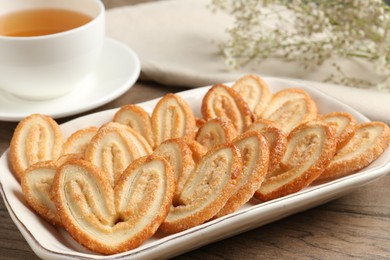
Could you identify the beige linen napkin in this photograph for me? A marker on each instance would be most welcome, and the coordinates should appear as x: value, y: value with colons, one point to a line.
x: 177, y: 42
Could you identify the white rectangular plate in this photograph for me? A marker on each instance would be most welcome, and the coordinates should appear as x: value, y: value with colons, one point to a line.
x: 49, y: 242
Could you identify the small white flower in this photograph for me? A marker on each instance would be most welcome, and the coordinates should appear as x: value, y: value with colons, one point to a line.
x: 319, y: 30
x: 380, y: 31
x: 380, y: 65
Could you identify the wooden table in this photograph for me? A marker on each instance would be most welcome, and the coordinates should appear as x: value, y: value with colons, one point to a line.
x: 354, y: 226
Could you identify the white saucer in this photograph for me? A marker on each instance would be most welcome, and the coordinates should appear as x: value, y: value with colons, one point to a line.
x: 116, y: 72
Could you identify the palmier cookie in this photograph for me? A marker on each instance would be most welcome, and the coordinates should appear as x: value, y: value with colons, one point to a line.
x: 36, y: 185
x: 262, y: 123
x: 223, y: 101
x: 172, y: 117
x: 276, y: 138
x: 199, y: 123
x: 254, y: 91
x: 310, y: 148
x: 113, y: 148
x: 216, y: 131
x: 369, y: 141
x: 107, y: 220
x: 208, y: 188
x: 143, y: 146
x: 343, y: 124
x: 77, y: 143
x: 36, y: 138
x: 179, y: 156
x: 289, y: 108
x: 198, y: 150
x: 138, y: 119
x: 254, y: 151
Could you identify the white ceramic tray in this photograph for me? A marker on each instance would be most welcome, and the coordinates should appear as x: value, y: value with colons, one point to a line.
x: 54, y: 243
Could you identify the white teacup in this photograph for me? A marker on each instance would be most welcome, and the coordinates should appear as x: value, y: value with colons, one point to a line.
x: 49, y: 66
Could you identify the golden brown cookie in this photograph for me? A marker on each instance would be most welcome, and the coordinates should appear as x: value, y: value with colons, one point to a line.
x: 36, y: 138
x: 369, y: 141
x: 138, y: 119
x: 110, y: 220
x: 199, y: 122
x: 289, y: 108
x: 179, y: 156
x: 262, y: 123
x: 198, y: 150
x: 77, y: 143
x: 310, y: 148
x: 254, y: 152
x: 36, y: 185
x: 223, y: 101
x: 276, y: 138
x: 113, y: 148
x: 343, y: 124
x: 216, y: 131
x: 254, y: 91
x: 172, y: 117
x: 138, y: 140
x: 208, y: 188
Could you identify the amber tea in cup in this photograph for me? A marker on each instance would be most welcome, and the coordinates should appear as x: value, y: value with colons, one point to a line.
x: 36, y: 22
x: 49, y: 48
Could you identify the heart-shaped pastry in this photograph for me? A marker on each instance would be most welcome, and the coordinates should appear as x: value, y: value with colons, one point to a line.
x: 276, y: 138
x: 138, y: 119
x: 139, y: 141
x: 368, y: 142
x: 254, y: 91
x: 199, y: 122
x: 216, y: 131
x: 262, y: 123
x: 310, y: 148
x: 179, y: 156
x: 198, y: 150
x: 114, y: 147
x: 36, y: 186
x: 36, y: 138
x: 223, y: 101
x: 255, y: 155
x: 111, y: 220
x: 36, y: 183
x: 289, y: 108
x: 78, y: 142
x: 208, y: 188
x: 343, y: 124
x: 172, y: 117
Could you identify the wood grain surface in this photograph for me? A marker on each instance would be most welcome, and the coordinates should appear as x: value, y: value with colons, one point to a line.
x: 354, y: 226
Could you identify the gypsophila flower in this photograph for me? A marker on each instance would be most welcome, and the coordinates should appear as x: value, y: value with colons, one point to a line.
x: 311, y: 32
